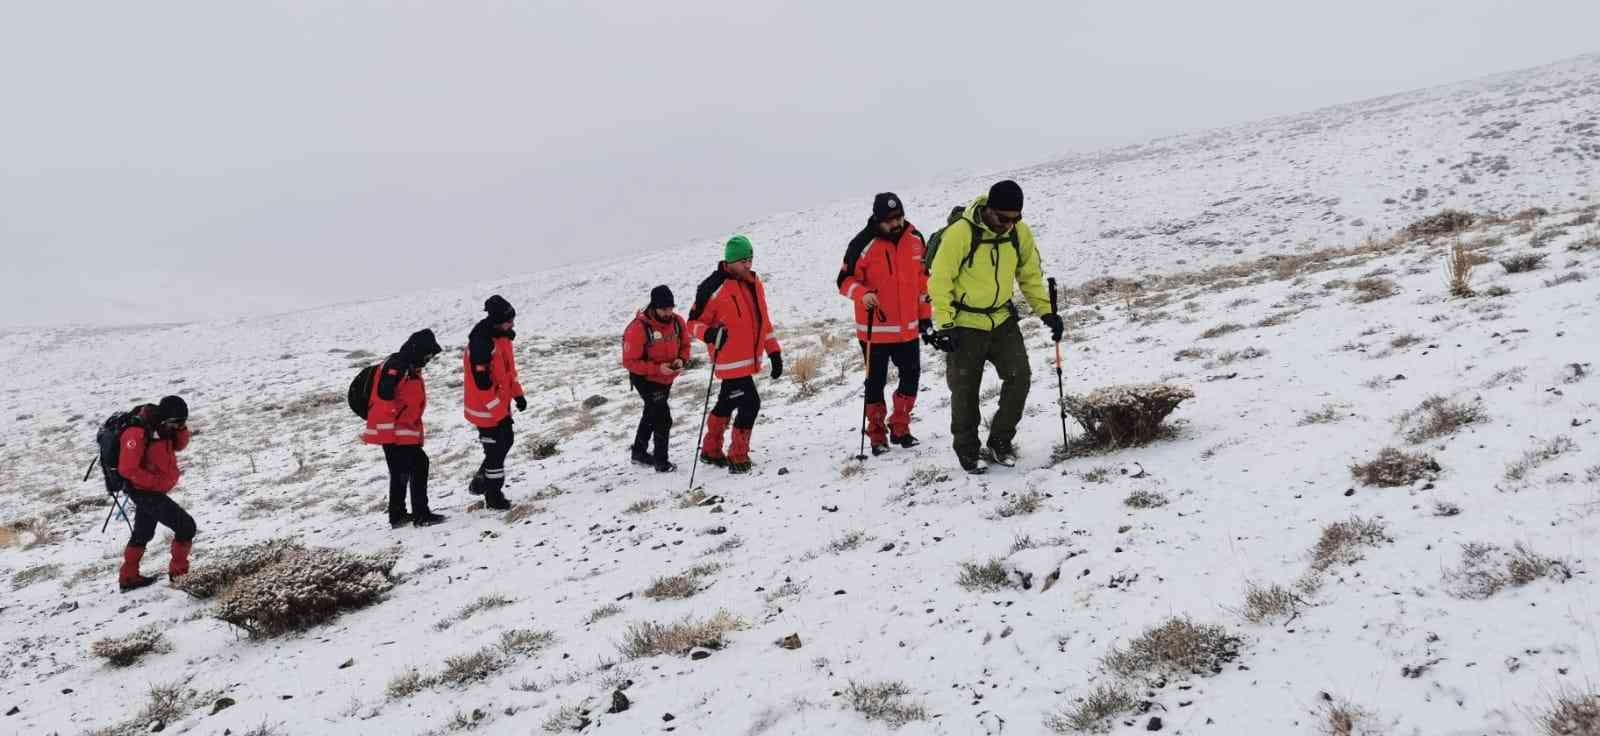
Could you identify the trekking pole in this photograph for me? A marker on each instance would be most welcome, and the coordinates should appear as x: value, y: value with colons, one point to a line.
x: 711, y: 358
x: 872, y: 320
x: 90, y: 471
x: 1061, y: 394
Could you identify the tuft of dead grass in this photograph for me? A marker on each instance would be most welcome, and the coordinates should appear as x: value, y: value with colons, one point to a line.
x: 888, y: 702
x: 1458, y: 265
x: 1487, y: 569
x: 1342, y: 718
x: 1126, y: 415
x: 1438, y: 416
x: 1266, y: 602
x: 1093, y: 713
x: 1178, y: 647
x: 1523, y: 263
x: 603, y: 612
x: 987, y: 576
x: 1328, y: 414
x: 649, y: 639
x: 684, y: 585
x: 484, y: 603
x: 1145, y: 499
x: 1543, y: 453
x: 126, y: 650
x: 1571, y: 713
x: 1341, y: 542
x: 1220, y: 330
x: 1372, y: 289
x: 1441, y: 223
x: 1020, y: 504
x: 1394, y: 468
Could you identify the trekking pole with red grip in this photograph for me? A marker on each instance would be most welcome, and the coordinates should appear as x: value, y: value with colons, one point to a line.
x: 872, y: 321
x: 1061, y: 394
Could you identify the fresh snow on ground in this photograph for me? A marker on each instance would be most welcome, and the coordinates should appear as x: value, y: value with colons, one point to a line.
x: 862, y: 560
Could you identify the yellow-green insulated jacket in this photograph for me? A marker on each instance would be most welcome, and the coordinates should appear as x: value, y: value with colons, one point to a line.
x: 987, y: 283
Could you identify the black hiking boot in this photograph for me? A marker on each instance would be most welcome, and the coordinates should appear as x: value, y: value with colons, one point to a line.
x: 427, y: 518
x: 879, y: 449
x: 137, y: 583
x: 399, y: 520
x: 474, y: 488
x: 905, y: 440
x: 740, y: 467
x: 1000, y: 455
x: 665, y: 466
x: 721, y: 462
x: 640, y: 457
x: 977, y: 466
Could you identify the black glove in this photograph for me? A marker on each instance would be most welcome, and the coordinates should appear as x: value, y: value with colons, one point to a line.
x: 522, y: 403
x: 945, y: 340
x: 1053, y: 321
x: 925, y: 327
x: 716, y: 336
x: 777, y: 364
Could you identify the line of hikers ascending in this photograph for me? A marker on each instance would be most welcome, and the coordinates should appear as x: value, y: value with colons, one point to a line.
x: 953, y: 293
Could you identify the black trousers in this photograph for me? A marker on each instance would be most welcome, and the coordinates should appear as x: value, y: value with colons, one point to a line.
x: 491, y: 476
x: 154, y: 508
x: 907, y: 359
x: 408, y: 468
x: 738, y: 395
x: 656, y: 420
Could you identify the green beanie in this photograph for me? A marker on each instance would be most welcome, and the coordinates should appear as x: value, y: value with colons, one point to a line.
x: 737, y: 249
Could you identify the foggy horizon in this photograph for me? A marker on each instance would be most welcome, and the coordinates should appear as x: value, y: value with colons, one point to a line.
x: 176, y: 164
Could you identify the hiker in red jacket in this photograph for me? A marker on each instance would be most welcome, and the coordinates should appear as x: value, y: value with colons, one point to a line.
x: 655, y: 349
x: 491, y: 386
x: 883, y: 274
x: 148, y: 463
x: 394, y: 422
x: 730, y: 315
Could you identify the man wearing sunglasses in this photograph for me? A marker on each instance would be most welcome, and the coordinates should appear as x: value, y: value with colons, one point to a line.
x: 148, y: 465
x: 980, y: 259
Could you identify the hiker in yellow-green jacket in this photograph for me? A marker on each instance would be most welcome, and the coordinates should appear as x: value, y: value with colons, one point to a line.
x: 981, y: 259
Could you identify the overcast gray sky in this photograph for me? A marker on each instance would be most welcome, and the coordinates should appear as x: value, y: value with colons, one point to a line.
x: 175, y: 160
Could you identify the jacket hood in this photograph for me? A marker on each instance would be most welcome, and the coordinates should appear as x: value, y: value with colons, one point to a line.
x: 421, y: 344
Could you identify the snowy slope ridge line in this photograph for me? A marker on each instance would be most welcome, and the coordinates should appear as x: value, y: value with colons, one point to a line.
x: 1455, y: 603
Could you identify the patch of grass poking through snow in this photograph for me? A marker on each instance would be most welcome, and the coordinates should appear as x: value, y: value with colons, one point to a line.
x: 678, y: 587
x: 1524, y: 262
x: 1571, y: 713
x: 1373, y: 289
x: 1341, y: 542
x: 1123, y: 416
x: 1021, y: 504
x: 1220, y: 330
x: 1328, y: 414
x: 524, y: 642
x: 484, y: 603
x: 1394, y: 468
x: 692, y: 499
x: 1343, y: 718
x: 521, y: 512
x: 1487, y: 569
x: 1266, y: 602
x: 649, y: 639
x: 1093, y: 713
x: 1144, y: 499
x: 1178, y: 647
x: 888, y: 702
x: 926, y: 476
x: 37, y: 573
x: 988, y: 576
x: 466, y: 669
x: 1544, y: 453
x: 126, y: 650
x: 603, y: 612
x: 1438, y: 416
x: 164, y: 704
x: 642, y: 506
x: 305, y: 588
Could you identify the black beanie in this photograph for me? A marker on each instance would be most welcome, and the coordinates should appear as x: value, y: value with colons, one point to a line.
x: 956, y: 213
x: 499, y: 309
x: 1005, y: 195
x: 421, y: 344
x: 887, y: 205
x: 172, y: 407
x: 661, y: 297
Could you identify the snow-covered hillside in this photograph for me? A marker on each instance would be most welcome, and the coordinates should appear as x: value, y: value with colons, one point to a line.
x: 1302, y: 365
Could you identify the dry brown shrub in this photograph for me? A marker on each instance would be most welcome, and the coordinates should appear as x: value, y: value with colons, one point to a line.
x: 1523, y: 262
x: 125, y: 650
x: 1094, y: 713
x: 1444, y: 222
x: 1178, y: 647
x: 1341, y: 542
x: 885, y: 701
x: 1372, y: 289
x: 1438, y: 416
x: 1487, y: 569
x: 1458, y: 271
x: 1394, y: 468
x: 648, y: 639
x: 1572, y: 713
x: 1127, y: 415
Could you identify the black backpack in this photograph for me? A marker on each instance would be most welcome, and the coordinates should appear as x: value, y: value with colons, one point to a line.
x: 360, y: 396
x: 109, y: 439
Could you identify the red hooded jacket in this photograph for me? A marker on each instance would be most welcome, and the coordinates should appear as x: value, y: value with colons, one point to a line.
x: 147, y: 461
x: 649, y: 343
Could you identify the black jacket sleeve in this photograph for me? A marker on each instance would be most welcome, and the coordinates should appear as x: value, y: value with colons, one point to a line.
x: 702, y: 295
x: 852, y: 253
x: 480, y: 350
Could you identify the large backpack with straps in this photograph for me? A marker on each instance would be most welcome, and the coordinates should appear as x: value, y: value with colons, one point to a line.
x: 650, y: 334
x: 109, y: 441
x: 360, y: 396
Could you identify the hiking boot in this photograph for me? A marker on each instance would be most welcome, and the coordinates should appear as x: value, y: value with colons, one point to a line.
x: 640, y: 457
x: 136, y: 582
x: 427, y: 518
x: 878, y: 449
x: 719, y: 460
x: 740, y: 467
x: 474, y: 488
x: 978, y: 466
x: 496, y: 501
x: 905, y: 440
x: 665, y: 466
x: 399, y: 520
x: 1000, y: 455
